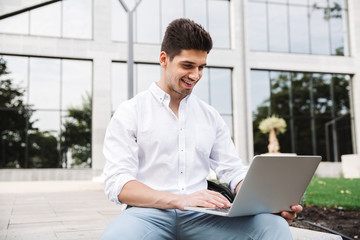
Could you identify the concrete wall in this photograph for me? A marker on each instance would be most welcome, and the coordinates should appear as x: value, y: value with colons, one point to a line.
x: 102, y: 51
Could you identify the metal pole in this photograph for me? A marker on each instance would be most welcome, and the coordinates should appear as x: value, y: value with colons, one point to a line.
x: 130, y: 61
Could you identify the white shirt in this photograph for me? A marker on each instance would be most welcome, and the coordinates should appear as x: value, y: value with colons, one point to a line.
x: 145, y: 141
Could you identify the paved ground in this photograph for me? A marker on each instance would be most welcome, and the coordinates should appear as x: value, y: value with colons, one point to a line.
x: 53, y: 210
x: 65, y: 210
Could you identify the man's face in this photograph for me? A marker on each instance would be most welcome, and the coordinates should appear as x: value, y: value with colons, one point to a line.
x: 183, y: 72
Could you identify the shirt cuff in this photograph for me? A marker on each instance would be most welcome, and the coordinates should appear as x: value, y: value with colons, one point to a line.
x: 234, y: 182
x: 119, y: 184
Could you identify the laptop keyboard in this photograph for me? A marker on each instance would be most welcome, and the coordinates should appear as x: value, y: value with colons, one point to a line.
x: 224, y: 210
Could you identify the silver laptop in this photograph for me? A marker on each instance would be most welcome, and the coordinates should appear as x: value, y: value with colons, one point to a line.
x: 272, y: 184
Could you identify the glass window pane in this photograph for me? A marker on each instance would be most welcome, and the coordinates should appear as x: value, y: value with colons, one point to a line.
x: 302, y: 132
x: 202, y: 87
x: 16, y: 24
x: 318, y: 3
x: 146, y: 74
x: 341, y: 94
x: 319, y: 31
x: 300, y: 90
x: 170, y: 10
x: 17, y: 68
x: 148, y: 22
x: 43, y: 142
x: 119, y: 22
x: 46, y: 121
x: 280, y: 94
x: 260, y: 93
x: 322, y: 95
x: 298, y: 2
x: 44, y: 83
x: 338, y: 32
x: 119, y: 84
x: 76, y: 83
x: 277, y: 1
x: 46, y: 20
x: 257, y: 26
x: 196, y: 10
x: 220, y: 90
x: 299, y: 29
x: 77, y: 19
x: 278, y: 28
x: 219, y: 26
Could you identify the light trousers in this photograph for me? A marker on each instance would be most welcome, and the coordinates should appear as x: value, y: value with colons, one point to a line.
x: 156, y: 224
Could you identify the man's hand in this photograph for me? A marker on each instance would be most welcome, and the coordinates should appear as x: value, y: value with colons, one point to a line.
x: 203, y: 198
x: 290, y: 216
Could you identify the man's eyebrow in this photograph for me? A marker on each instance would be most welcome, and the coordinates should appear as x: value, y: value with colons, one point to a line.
x: 192, y: 63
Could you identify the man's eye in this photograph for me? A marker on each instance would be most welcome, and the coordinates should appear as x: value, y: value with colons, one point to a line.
x: 188, y: 66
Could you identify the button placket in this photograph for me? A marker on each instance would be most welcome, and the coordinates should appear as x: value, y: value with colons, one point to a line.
x: 182, y: 149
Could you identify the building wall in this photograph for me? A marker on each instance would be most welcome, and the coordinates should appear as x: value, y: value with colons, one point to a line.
x: 102, y: 51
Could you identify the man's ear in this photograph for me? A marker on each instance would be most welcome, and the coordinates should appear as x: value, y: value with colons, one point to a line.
x: 164, y: 58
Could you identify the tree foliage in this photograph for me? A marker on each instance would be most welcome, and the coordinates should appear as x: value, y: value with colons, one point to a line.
x: 76, y: 134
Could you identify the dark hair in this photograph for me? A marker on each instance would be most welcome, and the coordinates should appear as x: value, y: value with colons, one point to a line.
x: 184, y: 33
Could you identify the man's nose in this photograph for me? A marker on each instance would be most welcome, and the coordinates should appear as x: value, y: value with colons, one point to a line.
x: 195, y: 74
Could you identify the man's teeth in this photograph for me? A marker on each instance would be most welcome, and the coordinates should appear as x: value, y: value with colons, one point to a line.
x: 190, y: 83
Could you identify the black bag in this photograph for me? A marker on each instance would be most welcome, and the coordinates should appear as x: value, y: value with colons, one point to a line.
x: 225, y: 191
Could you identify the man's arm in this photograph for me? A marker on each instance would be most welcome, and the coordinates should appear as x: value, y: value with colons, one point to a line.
x: 135, y: 193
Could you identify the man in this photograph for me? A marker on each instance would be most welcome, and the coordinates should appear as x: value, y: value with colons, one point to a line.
x: 160, y: 146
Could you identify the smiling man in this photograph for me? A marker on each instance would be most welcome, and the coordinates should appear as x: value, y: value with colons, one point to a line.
x: 160, y: 146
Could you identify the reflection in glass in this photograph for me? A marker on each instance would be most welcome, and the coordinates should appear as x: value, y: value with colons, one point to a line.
x: 48, y: 121
x: 76, y: 82
x: 196, y: 10
x: 299, y: 29
x: 119, y: 22
x: 45, y: 21
x: 77, y: 19
x: 148, y: 22
x: 321, y: 87
x: 15, y: 24
x: 219, y: 23
x: 318, y: 3
x: 319, y: 32
x: 32, y: 136
x: 341, y: 98
x: 278, y: 29
x: 280, y: 93
x: 315, y: 108
x: 257, y: 26
x: 119, y: 84
x: 220, y: 89
x: 338, y: 25
x: 43, y: 141
x: 260, y: 97
x: 44, y: 87
x: 18, y: 69
x: 298, y: 2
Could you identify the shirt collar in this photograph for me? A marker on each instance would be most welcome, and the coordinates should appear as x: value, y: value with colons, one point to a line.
x: 160, y: 95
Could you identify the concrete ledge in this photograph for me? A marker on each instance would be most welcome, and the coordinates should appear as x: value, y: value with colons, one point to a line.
x: 351, y: 165
x: 47, y: 174
x: 304, y: 234
x: 329, y: 170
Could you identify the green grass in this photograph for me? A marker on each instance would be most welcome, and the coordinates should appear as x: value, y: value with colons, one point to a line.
x: 333, y: 192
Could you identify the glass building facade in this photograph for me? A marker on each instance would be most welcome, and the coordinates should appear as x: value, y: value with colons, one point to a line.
x: 64, y: 72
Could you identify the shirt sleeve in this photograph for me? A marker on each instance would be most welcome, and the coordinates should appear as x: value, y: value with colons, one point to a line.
x: 121, y: 151
x: 224, y: 159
